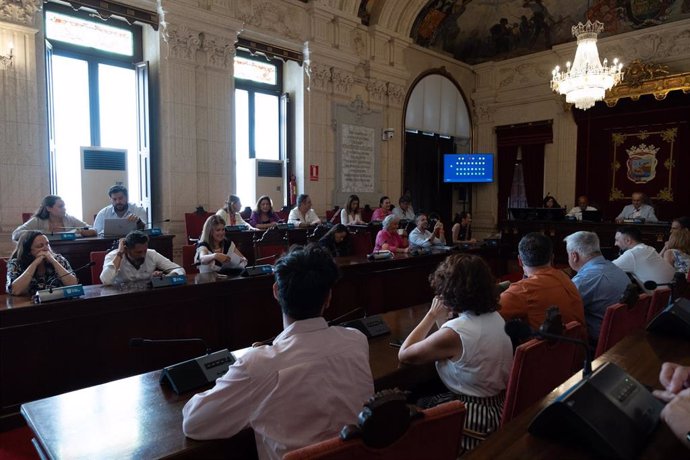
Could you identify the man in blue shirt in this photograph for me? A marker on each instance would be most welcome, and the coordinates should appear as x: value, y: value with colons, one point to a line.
x: 600, y: 283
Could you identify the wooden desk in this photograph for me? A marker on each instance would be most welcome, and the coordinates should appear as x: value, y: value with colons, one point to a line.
x: 77, y: 251
x: 641, y: 355
x: 136, y: 417
x: 56, y: 347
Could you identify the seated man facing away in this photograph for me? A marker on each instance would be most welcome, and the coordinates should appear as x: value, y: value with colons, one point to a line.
x: 639, y: 259
x: 637, y: 210
x: 600, y: 283
x: 423, y: 238
x: 304, y: 387
x: 544, y: 286
x: 134, y: 261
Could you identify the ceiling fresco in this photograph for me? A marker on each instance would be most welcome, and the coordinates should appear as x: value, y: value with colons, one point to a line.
x: 475, y: 31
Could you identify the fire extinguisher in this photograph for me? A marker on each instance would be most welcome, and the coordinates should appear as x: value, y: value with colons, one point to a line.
x: 293, y: 190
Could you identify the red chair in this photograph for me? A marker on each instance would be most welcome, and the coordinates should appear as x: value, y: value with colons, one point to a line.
x: 621, y: 320
x: 188, y: 252
x: 436, y: 435
x: 539, y: 366
x: 26, y: 216
x: 660, y: 298
x: 194, y: 223
x: 98, y: 257
x: 361, y: 243
x: 367, y: 213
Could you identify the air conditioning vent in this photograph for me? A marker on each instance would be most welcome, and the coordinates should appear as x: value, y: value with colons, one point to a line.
x: 105, y: 161
x: 269, y: 169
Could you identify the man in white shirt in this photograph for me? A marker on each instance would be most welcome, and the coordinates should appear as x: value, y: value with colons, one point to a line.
x: 120, y: 209
x: 404, y: 210
x: 304, y: 387
x: 582, y: 205
x: 423, y: 238
x: 641, y: 260
x: 637, y: 210
x: 303, y: 215
x: 134, y: 261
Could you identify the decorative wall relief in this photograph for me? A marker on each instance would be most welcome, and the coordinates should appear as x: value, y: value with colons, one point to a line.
x: 183, y: 42
x: 20, y: 11
x: 219, y: 50
x: 342, y: 81
x: 377, y: 90
x: 319, y: 76
x: 286, y: 20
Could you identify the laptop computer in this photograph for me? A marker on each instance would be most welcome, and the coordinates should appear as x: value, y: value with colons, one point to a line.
x: 591, y: 216
x: 115, y: 228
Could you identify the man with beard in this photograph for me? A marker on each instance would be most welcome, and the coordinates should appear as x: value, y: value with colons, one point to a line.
x: 134, y: 261
x: 120, y: 209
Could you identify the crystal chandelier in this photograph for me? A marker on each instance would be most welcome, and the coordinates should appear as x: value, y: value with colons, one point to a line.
x: 587, y: 79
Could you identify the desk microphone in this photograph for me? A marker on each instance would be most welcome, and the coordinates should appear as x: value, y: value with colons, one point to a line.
x: 151, y: 224
x: 261, y: 259
x: 85, y: 227
x: 336, y: 321
x: 142, y: 342
x: 193, y: 373
x: 679, y: 281
x: 70, y: 272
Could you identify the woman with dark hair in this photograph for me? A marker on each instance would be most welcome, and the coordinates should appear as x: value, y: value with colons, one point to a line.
x: 472, y: 352
x: 34, y: 266
x: 263, y: 216
x: 550, y: 202
x: 212, y: 250
x: 231, y: 212
x: 351, y: 214
x: 52, y: 217
x: 383, y: 210
x: 462, y: 228
x: 337, y: 241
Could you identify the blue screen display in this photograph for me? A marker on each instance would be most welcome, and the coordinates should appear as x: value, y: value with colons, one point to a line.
x: 477, y: 167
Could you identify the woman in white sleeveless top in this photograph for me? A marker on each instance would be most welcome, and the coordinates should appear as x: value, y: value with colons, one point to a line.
x: 473, y: 354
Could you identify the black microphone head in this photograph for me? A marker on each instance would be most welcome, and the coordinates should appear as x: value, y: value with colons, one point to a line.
x: 136, y: 342
x: 553, y: 324
x: 166, y: 220
x: 91, y: 264
x: 680, y: 278
x: 650, y: 285
x: 518, y: 331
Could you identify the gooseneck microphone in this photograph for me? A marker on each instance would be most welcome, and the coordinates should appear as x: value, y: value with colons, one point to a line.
x: 142, y: 342
x: 52, y: 280
x: 151, y: 224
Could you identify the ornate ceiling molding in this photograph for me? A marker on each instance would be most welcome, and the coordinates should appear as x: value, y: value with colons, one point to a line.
x: 20, y: 11
x: 644, y: 79
x: 285, y: 20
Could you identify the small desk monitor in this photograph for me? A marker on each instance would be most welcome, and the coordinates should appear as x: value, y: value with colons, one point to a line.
x: 591, y: 216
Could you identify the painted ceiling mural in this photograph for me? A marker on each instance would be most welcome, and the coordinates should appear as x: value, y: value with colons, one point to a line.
x: 475, y: 31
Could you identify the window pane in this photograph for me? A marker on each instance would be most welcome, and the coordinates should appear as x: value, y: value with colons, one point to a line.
x: 97, y: 35
x: 117, y: 99
x: 262, y: 72
x: 241, y: 123
x: 266, y: 121
x: 71, y: 102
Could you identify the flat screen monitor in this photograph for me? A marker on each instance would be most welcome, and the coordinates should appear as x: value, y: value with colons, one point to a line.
x: 468, y: 168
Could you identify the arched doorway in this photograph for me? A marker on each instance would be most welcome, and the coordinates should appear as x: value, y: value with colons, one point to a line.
x: 437, y: 121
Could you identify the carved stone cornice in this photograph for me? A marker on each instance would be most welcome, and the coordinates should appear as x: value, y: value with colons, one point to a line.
x: 342, y: 81
x: 396, y: 94
x: 183, y: 42
x: 283, y: 19
x: 377, y: 90
x: 319, y: 76
x: 20, y: 11
x: 484, y: 113
x: 647, y: 79
x: 220, y: 51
